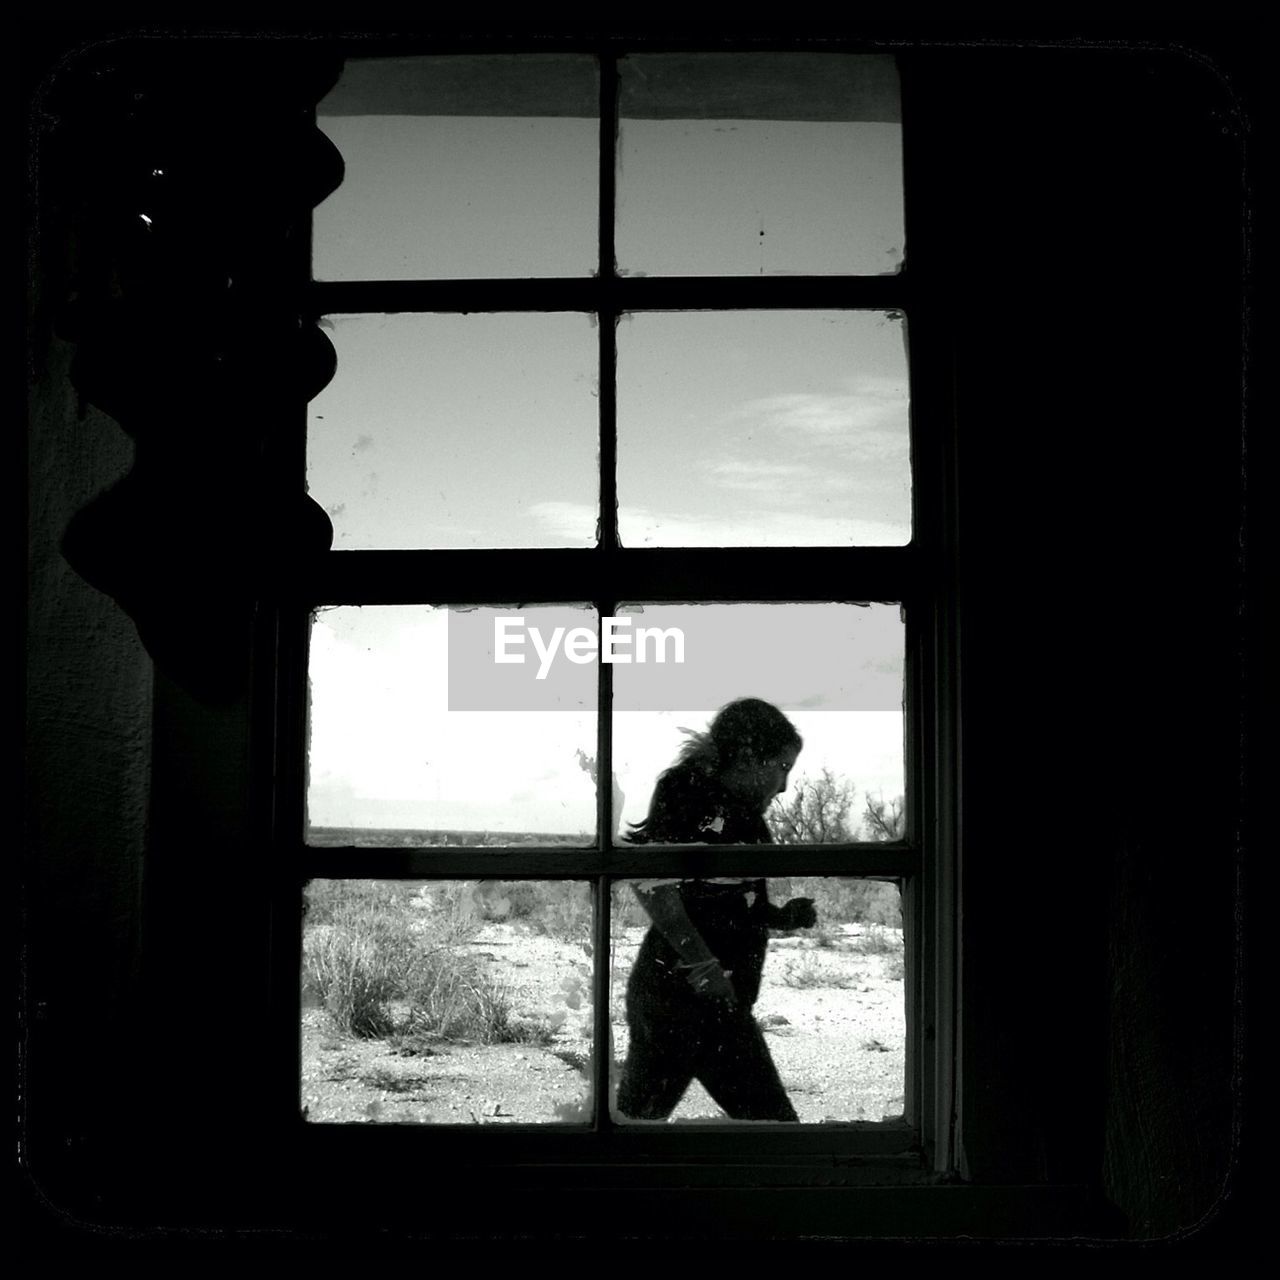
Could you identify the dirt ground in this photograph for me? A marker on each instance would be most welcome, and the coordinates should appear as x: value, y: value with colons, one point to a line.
x: 833, y: 1016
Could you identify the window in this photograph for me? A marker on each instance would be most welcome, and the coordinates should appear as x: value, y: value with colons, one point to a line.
x: 620, y: 335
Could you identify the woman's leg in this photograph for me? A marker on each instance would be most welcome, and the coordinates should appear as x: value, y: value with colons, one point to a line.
x: 660, y: 1057
x: 738, y: 1071
x: 658, y: 1069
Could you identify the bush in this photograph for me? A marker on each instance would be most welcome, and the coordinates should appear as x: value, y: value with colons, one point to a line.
x: 875, y: 940
x: 811, y: 971
x: 356, y: 957
x: 815, y: 811
x: 559, y: 909
x: 841, y: 900
x: 384, y: 960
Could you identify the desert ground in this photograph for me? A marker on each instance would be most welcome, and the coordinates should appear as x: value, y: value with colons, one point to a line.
x: 831, y: 1006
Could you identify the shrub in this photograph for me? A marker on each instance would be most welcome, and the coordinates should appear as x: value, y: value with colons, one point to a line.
x: 843, y: 900
x: 352, y: 978
x: 811, y: 971
x: 558, y: 909
x: 825, y: 934
x: 386, y: 960
x: 564, y: 913
x: 876, y: 940
x: 816, y: 811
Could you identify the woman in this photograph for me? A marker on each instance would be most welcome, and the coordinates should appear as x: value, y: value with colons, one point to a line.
x: 697, y: 975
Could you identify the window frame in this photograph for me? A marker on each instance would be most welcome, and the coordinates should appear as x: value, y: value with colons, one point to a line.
x: 920, y: 576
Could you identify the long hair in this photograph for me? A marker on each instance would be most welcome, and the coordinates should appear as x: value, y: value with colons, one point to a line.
x: 747, y: 729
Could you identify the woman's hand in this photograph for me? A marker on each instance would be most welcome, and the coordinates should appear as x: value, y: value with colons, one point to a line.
x: 708, y: 979
x: 799, y: 913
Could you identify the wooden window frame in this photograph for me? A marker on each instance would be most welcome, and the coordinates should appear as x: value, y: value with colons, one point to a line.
x: 920, y: 576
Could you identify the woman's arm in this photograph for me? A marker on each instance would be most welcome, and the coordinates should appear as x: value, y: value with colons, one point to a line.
x: 799, y: 913
x: 665, y: 907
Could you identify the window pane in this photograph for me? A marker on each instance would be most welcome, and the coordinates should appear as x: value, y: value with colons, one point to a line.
x: 756, y: 428
x: 759, y: 164
x: 815, y: 1029
x: 393, y: 763
x: 446, y: 1002
x: 834, y: 671
x: 446, y: 431
x: 462, y: 168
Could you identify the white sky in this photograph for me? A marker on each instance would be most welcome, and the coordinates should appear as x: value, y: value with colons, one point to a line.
x: 386, y: 750
x: 481, y: 430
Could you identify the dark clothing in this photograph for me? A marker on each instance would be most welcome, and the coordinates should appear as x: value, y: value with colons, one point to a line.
x: 722, y: 1047
x: 677, y: 1033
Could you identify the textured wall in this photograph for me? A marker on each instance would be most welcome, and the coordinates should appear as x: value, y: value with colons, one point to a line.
x: 88, y: 757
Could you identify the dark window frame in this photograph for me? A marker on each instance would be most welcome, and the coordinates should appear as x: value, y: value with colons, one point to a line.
x: 919, y: 575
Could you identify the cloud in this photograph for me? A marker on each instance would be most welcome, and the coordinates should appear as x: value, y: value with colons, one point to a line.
x: 785, y: 481
x: 568, y: 520
x: 650, y: 527
x: 868, y: 418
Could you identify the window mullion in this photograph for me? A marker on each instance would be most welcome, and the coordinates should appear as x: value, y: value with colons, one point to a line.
x: 627, y: 293
x: 560, y: 863
x: 607, y: 324
x: 668, y: 574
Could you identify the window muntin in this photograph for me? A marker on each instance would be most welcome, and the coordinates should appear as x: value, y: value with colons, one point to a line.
x: 888, y: 573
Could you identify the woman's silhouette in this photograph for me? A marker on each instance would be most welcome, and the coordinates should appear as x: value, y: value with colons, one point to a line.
x: 697, y: 975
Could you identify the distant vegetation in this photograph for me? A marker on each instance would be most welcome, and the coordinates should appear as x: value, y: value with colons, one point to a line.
x: 415, y: 838
x: 819, y: 810
x: 391, y: 958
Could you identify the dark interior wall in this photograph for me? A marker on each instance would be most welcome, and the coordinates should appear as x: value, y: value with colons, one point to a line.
x: 1098, y: 224
x: 1094, y: 213
x: 88, y: 752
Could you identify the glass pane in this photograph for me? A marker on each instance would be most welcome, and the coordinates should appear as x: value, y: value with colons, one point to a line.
x: 759, y: 164
x: 798, y: 1012
x: 831, y: 674
x: 462, y: 168
x: 446, y: 431
x: 393, y: 762
x: 446, y: 1002
x: 760, y: 428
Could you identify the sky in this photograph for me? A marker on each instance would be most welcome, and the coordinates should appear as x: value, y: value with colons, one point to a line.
x: 473, y: 431
x: 387, y: 750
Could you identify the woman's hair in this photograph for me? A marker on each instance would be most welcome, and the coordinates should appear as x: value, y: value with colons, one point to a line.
x: 748, y: 728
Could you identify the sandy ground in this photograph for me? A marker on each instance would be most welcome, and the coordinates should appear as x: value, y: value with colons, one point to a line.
x: 833, y: 1016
